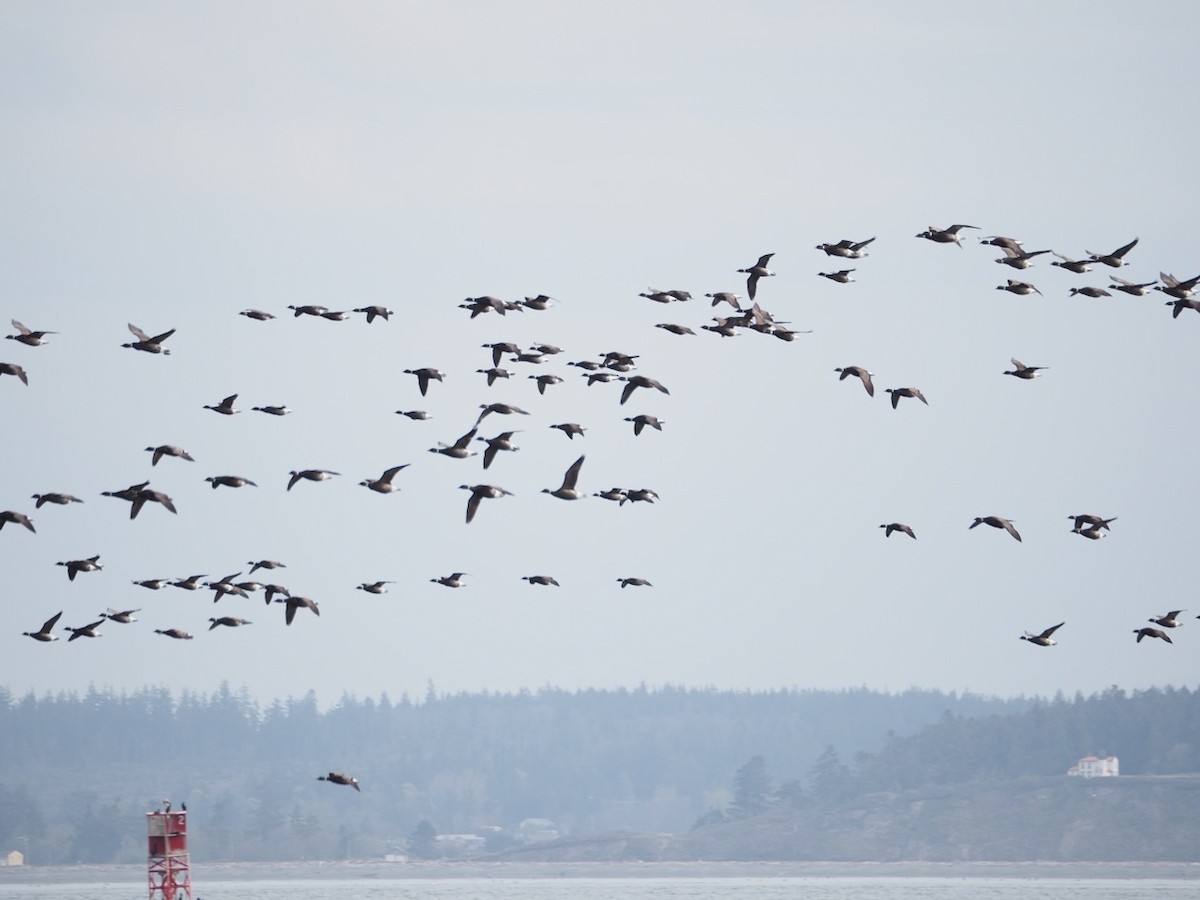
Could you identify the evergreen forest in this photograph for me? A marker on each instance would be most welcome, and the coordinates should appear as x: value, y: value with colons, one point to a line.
x: 79, y: 771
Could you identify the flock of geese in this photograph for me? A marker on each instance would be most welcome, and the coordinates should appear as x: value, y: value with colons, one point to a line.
x: 742, y: 316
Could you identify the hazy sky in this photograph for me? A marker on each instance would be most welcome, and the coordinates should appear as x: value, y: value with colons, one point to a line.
x: 169, y: 165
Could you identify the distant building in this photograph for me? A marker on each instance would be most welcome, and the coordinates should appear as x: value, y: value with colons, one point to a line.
x: 1094, y: 767
x: 15, y: 858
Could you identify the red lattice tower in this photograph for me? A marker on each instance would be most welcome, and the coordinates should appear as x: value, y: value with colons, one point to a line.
x: 168, y: 867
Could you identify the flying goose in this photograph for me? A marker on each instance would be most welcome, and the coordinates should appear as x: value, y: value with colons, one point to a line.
x: 845, y: 248
x: 480, y: 492
x: 1021, y: 288
x: 145, y: 496
x: 842, y: 276
x: 1043, y: 639
x: 1090, y: 292
x: 1092, y: 534
x: 540, y: 302
x: 503, y: 409
x: 272, y: 410
x: 999, y: 240
x: 674, y: 329
x: 234, y: 481
x: 724, y: 327
x: 480, y: 305
x: 617, y: 494
x: 1022, y: 371
x: 658, y: 296
x: 1173, y: 287
x: 335, y: 315
x: 1116, y: 259
x: 634, y: 582
x: 568, y: 491
x: 643, y: 495
x: 502, y: 441
x: 257, y: 314
x: 374, y: 587
x: 152, y: 584
x: 264, y: 564
x: 149, y: 344
x: 499, y: 348
x: 602, y: 377
x: 340, y: 778
x: 177, y: 633
x: 16, y: 518
x: 191, y: 583
x: 897, y: 393
x: 996, y: 522
x: 270, y: 590
x: 375, y: 312
x: 308, y: 310
x: 897, y: 526
x: 123, y: 616
x: 453, y: 580
x: 75, y: 566
x: 417, y: 415
x: 726, y: 297
x: 293, y: 603
x: 545, y: 580
x: 494, y: 373
x: 27, y: 336
x: 1181, y: 305
x: 228, y: 621
x: 1170, y: 620
x: 88, y: 631
x: 615, y: 358
x: 457, y: 450
x: 532, y: 357
x: 945, y: 235
x: 1071, y: 265
x: 383, y: 484
x: 860, y: 373
x: 1132, y: 288
x: 225, y: 407
x: 130, y: 493
x: 424, y: 376
x: 589, y: 365
x: 1018, y: 258
x: 755, y: 272
x: 1152, y: 633
x: 643, y: 420
x: 309, y: 475
x: 570, y: 429
x: 1091, y: 521
x: 226, y: 586
x: 56, y: 498
x: 167, y: 450
x: 633, y: 382
x: 44, y: 633
x: 13, y: 369
x: 545, y: 381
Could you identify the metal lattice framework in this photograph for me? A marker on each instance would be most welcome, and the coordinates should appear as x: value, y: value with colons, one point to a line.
x: 168, y: 867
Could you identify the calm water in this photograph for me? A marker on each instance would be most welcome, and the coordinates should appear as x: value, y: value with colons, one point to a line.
x: 641, y: 889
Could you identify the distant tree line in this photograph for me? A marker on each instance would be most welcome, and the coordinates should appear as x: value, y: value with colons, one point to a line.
x: 78, y: 771
x: 1151, y: 732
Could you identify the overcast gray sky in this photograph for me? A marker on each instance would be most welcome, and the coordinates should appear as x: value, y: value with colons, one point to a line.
x: 169, y: 165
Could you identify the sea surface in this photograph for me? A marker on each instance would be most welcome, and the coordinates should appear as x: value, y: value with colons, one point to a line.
x: 881, y: 888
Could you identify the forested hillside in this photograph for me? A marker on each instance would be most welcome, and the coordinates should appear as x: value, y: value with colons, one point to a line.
x: 861, y: 774
x: 77, y: 772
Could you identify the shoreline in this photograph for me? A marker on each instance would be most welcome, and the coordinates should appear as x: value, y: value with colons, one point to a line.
x: 479, y: 870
